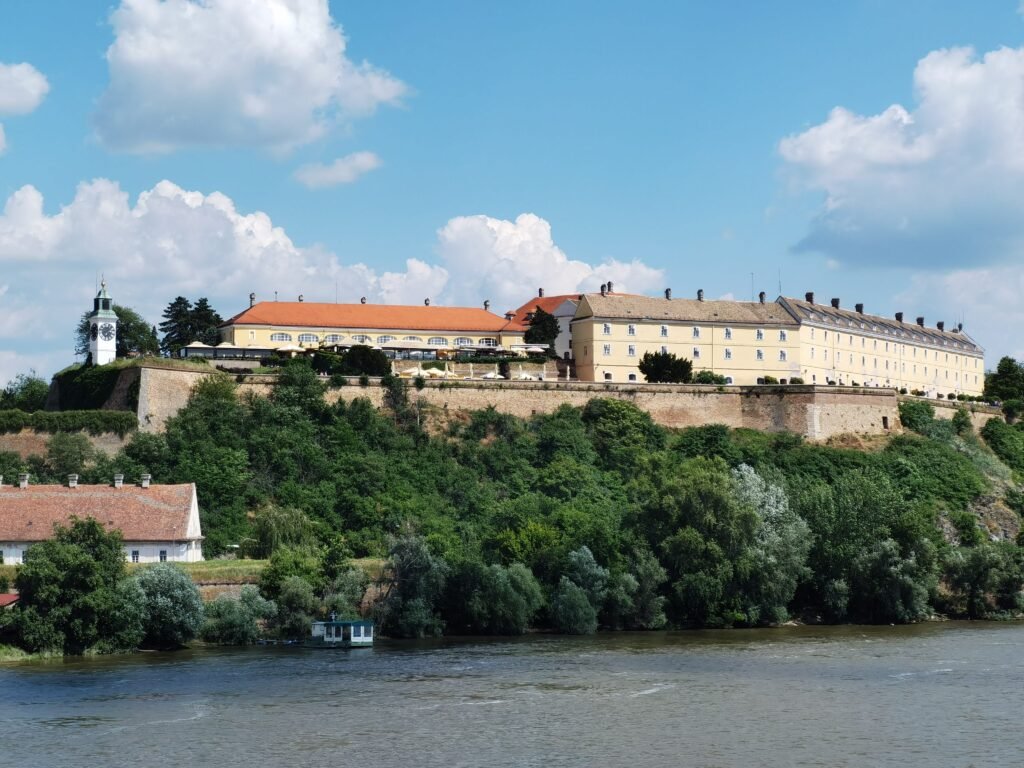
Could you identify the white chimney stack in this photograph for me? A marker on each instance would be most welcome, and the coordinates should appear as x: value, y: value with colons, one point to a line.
x: 23, y: 480
x: 72, y: 481
x: 118, y: 480
x: 144, y: 480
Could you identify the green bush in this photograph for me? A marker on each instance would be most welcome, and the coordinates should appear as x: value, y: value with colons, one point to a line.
x: 796, y: 380
x: 707, y: 377
x: 917, y: 416
x: 770, y: 380
x: 52, y: 422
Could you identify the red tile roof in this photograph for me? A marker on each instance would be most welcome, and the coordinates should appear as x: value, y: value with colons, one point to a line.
x: 548, y: 303
x: 7, y: 599
x: 157, y: 513
x: 371, y: 316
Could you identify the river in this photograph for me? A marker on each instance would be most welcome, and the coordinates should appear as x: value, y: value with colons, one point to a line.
x: 928, y: 695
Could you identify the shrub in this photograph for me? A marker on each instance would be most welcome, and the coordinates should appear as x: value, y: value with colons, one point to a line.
x: 571, y: 611
x: 707, y: 377
x: 903, y: 390
x: 173, y: 608
x: 967, y: 529
x: 773, y: 380
x: 796, y: 380
x: 951, y: 396
x: 962, y: 423
x: 231, y: 621
x: 419, y: 382
x: 917, y: 416
x: 94, y: 422
x: 364, y: 380
x: 1012, y: 409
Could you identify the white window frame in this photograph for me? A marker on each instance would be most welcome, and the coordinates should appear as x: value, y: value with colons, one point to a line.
x: 279, y: 336
x: 437, y: 341
x: 606, y: 350
x: 728, y: 334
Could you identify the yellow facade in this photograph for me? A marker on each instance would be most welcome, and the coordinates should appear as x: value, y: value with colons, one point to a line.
x: 274, y: 337
x: 748, y: 341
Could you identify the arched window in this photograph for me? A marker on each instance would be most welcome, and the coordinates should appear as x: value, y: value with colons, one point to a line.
x: 728, y: 379
x: 333, y: 338
x: 308, y: 338
x: 280, y: 337
x: 632, y: 377
x: 437, y: 341
x: 607, y: 377
x: 385, y: 339
x: 412, y: 338
x: 488, y: 342
x: 462, y: 341
x: 360, y: 338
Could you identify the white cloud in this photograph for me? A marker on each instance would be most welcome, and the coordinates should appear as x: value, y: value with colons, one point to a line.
x: 344, y: 170
x: 507, y: 261
x: 938, y: 185
x: 173, y: 241
x: 266, y: 73
x: 22, y: 88
x: 986, y: 299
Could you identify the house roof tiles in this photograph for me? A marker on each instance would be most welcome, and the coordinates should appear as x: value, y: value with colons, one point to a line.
x: 548, y: 303
x: 157, y: 513
x: 618, y: 306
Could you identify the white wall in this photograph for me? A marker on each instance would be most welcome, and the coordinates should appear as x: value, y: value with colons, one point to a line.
x: 149, y: 551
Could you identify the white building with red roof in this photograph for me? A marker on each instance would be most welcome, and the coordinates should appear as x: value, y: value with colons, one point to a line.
x: 159, y: 523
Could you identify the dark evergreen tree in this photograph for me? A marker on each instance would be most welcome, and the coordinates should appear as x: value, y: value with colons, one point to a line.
x: 177, y: 326
x: 665, y: 368
x: 205, y: 322
x: 1006, y: 382
x: 543, y: 329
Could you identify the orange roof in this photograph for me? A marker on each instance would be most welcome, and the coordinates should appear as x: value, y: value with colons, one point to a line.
x: 293, y: 314
x: 548, y: 303
x: 157, y: 513
x: 8, y: 599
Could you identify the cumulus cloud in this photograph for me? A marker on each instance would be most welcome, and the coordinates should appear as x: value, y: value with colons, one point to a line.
x: 22, y: 88
x: 344, y: 170
x: 937, y: 185
x: 265, y: 73
x: 171, y: 241
x: 507, y: 260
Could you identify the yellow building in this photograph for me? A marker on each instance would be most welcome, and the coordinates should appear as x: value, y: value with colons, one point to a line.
x: 848, y: 346
x: 290, y: 324
x: 743, y: 341
x: 785, y: 339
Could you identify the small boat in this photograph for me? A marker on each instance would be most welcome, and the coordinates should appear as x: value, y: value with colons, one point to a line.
x: 341, y: 633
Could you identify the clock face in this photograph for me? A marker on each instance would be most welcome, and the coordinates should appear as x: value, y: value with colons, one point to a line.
x: 107, y: 331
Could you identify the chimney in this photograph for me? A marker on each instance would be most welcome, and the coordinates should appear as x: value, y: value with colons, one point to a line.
x: 301, y: 298
x: 540, y: 293
x: 941, y: 325
x: 809, y: 297
x: 362, y: 299
x: 761, y: 297
x: 426, y: 302
x: 899, y: 317
x: 23, y: 480
x: 604, y: 289
x: 920, y: 321
x: 700, y: 294
x: 609, y: 286
x: 72, y: 481
x: 252, y: 299
x: 668, y: 293
x: 835, y: 303
x: 487, y: 305
x: 959, y: 327
x: 118, y: 480
x: 859, y: 308
x: 144, y: 480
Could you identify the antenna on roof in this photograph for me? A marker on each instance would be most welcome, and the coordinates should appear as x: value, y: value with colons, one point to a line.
x: 780, y: 281
x: 751, y: 286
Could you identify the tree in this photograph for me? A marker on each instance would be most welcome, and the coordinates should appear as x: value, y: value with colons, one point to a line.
x: 296, y: 606
x: 177, y: 326
x: 173, y: 607
x: 71, y: 596
x: 205, y: 322
x: 135, y: 336
x: 1006, y: 382
x: 409, y: 605
x: 544, y: 329
x: 25, y: 392
x: 68, y: 453
x: 707, y: 377
x: 571, y: 610
x: 665, y: 367
x: 363, y: 360
x: 236, y: 621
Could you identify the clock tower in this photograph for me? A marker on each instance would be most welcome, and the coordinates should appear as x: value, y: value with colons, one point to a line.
x: 102, y: 329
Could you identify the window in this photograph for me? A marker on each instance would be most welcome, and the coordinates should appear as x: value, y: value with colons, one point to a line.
x: 135, y: 555
x: 782, y: 354
x: 728, y: 354
x: 696, y: 332
x: 826, y: 336
x: 760, y: 354
x: 631, y: 329
x: 632, y: 377
x: 664, y: 330
x: 728, y: 379
x: 632, y: 350
x: 280, y: 337
x: 607, y: 350
x: 333, y: 338
x: 385, y: 339
x: 360, y: 338
x: 728, y: 333
x: 252, y: 335
x: 812, y: 353
x: 308, y: 338
x: 412, y: 338
x: 664, y: 350
x: 760, y: 334
x: 812, y: 333
x: 606, y: 329
x: 163, y: 555
x: 696, y: 353
x: 437, y: 341
x: 462, y: 341
x: 783, y: 335
x: 607, y: 377
x: 488, y: 342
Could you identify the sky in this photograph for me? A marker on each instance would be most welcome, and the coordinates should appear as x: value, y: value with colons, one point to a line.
x: 462, y: 151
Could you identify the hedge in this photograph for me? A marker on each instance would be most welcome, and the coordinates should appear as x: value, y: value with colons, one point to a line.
x: 93, y: 422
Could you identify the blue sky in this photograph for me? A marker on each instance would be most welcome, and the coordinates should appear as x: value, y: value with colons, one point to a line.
x: 466, y: 150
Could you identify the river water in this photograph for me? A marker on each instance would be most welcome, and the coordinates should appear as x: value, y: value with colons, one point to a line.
x: 931, y: 695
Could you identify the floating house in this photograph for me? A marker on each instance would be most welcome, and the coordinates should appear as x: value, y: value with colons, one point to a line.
x: 345, y: 633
